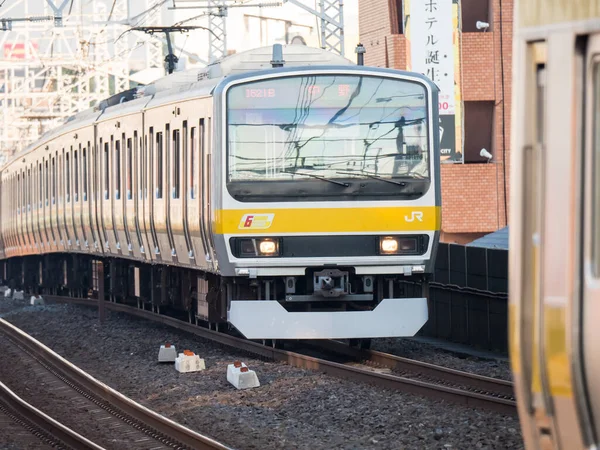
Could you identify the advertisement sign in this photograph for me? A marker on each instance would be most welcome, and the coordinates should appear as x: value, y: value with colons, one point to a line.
x: 432, y: 53
x: 16, y: 50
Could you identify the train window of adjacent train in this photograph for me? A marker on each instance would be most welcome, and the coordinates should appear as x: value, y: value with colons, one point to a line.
x: 76, y: 175
x: 159, y: 164
x: 67, y: 176
x: 106, y: 171
x: 192, y: 160
x: 596, y: 162
x: 175, y: 162
x: 29, y: 186
x: 84, y: 177
x: 129, y: 168
x: 118, y: 169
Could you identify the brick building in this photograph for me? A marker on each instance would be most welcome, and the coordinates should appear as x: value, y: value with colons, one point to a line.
x: 474, y: 192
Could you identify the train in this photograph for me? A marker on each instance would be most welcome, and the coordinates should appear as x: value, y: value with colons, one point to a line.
x: 554, y: 260
x: 285, y: 192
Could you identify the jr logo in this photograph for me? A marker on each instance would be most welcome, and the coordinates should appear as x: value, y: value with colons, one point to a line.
x: 414, y: 215
x: 256, y: 221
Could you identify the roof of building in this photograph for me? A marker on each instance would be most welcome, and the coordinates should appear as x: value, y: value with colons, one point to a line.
x: 498, y: 239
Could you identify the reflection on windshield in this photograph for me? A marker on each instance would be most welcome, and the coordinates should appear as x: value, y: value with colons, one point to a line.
x: 331, y: 126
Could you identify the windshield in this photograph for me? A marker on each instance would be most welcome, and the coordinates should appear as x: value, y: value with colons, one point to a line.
x: 317, y: 127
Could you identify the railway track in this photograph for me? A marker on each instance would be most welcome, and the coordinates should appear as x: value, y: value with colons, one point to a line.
x: 121, y: 420
x: 35, y: 427
x: 362, y: 365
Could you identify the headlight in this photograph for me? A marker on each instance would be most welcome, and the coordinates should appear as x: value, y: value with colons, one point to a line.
x: 398, y: 245
x: 254, y: 247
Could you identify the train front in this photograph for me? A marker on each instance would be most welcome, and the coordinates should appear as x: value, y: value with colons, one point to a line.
x: 330, y: 201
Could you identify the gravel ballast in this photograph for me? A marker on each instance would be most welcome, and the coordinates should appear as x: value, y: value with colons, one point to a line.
x: 292, y: 409
x: 422, y: 351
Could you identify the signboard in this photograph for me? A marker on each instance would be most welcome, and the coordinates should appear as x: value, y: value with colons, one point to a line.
x: 432, y: 53
x: 16, y: 50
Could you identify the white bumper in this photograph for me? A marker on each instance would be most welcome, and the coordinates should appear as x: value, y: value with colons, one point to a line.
x: 267, y: 319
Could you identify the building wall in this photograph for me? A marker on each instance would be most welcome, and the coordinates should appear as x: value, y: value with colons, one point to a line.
x: 474, y: 194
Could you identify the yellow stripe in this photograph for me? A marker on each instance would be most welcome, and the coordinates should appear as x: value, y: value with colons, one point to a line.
x: 328, y: 220
x: 557, y: 358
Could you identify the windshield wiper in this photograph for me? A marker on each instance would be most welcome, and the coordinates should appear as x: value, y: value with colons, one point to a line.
x: 377, y: 177
x: 318, y: 177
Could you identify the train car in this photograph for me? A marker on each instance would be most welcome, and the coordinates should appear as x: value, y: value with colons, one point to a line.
x: 285, y: 191
x: 555, y: 223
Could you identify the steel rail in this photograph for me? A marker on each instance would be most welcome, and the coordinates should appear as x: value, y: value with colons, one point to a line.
x: 400, y: 383
x: 165, y: 428
x: 40, y: 423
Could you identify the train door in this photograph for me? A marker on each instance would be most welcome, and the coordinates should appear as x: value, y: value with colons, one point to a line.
x: 159, y: 133
x: 86, y: 216
x: 96, y: 194
x: 65, y: 180
x: 177, y: 223
x: 117, y: 199
x: 28, y: 210
x: 589, y: 338
x: 149, y: 189
x: 106, y: 186
x: 78, y: 244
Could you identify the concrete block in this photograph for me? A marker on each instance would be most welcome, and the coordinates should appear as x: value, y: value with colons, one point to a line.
x: 189, y: 362
x: 167, y: 353
x: 241, y: 377
x: 36, y: 300
x: 18, y: 295
x: 8, y: 293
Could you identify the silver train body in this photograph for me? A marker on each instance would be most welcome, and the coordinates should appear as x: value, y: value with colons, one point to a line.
x: 292, y: 201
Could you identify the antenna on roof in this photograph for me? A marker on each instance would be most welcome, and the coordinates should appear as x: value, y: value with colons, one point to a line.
x: 277, y: 60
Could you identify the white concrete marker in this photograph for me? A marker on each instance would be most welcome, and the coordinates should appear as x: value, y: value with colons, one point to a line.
x: 167, y: 353
x: 189, y: 362
x: 18, y: 295
x: 36, y: 300
x: 241, y: 377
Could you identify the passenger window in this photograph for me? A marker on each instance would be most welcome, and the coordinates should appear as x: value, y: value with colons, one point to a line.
x: 67, y: 176
x: 54, y: 180
x: 84, y: 175
x: 159, y: 164
x: 47, y: 174
x: 129, y: 168
x: 76, y: 174
x: 192, y: 161
x: 118, y: 169
x: 106, y: 171
x: 175, y: 162
x: 41, y: 183
x: 596, y: 172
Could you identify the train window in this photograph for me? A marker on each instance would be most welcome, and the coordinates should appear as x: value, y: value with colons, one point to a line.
x: 175, y: 162
x: 144, y: 187
x: 84, y: 175
x: 67, y: 176
x: 129, y: 168
x: 76, y: 175
x: 29, y: 186
x: 106, y: 171
x: 41, y: 183
x: 193, y: 160
x: 118, y: 169
x: 596, y: 173
x: 47, y: 175
x: 159, y: 164
x: 53, y: 180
